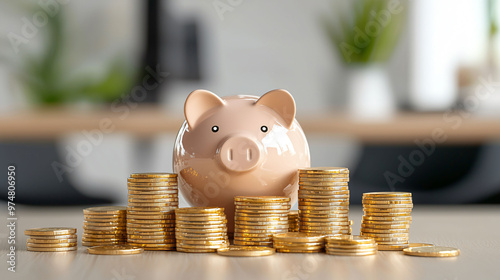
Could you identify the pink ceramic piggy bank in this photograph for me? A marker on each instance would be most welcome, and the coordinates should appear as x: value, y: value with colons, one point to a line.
x: 239, y: 145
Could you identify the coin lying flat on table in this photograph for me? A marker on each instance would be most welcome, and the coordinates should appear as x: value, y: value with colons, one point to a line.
x: 115, y: 250
x: 432, y: 251
x: 245, y: 251
x: 50, y: 231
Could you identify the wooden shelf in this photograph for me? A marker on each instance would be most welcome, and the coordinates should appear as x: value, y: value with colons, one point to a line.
x: 148, y: 121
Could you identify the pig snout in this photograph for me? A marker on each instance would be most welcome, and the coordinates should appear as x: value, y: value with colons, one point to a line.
x: 239, y: 153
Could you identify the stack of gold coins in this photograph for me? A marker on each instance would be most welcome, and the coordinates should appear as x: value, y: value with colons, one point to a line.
x: 293, y: 221
x: 55, y: 239
x: 298, y: 242
x: 324, y: 200
x: 350, y: 245
x: 258, y: 218
x: 152, y: 200
x: 200, y: 230
x: 387, y: 218
x: 351, y: 222
x: 104, y: 225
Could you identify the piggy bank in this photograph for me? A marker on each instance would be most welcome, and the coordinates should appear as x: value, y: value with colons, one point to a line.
x: 239, y: 145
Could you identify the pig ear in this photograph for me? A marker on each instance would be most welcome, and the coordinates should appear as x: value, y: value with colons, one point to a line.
x: 281, y: 101
x: 198, y: 103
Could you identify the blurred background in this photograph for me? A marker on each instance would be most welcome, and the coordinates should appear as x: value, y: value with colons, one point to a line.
x: 404, y: 93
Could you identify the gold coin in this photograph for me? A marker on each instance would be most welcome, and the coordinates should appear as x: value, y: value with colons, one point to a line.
x: 105, y: 210
x: 151, y: 200
x: 152, y: 180
x: 328, y: 213
x: 263, y: 219
x: 298, y: 251
x: 92, y: 244
x: 387, y: 218
x: 166, y: 217
x: 151, y: 187
x: 386, y: 202
x: 114, y: 250
x: 260, y: 199
x: 268, y: 235
x: 388, y: 231
x: 254, y: 239
x: 253, y: 243
x: 50, y: 245
x: 102, y: 224
x: 386, y: 235
x: 105, y: 232
x: 324, y: 208
x: 186, y: 250
x: 321, y: 179
x: 397, y: 247
x: 170, y: 212
x: 386, y: 194
x: 333, y: 184
x: 152, y: 241
x: 153, y: 204
x: 152, y: 209
x: 245, y: 251
x: 194, y: 242
x: 279, y: 227
x: 351, y: 246
x: 299, y: 247
x: 63, y: 249
x: 51, y: 241
x: 53, y: 237
x: 50, y: 231
x: 264, y: 203
x: 199, y: 210
x: 114, y: 220
x: 349, y: 239
x: 193, y: 230
x: 154, y: 247
x: 258, y: 223
x: 432, y: 251
x: 150, y: 221
x: 153, y: 175
x: 202, y: 246
x: 387, y: 207
x: 322, y: 170
x: 103, y: 228
x: 104, y: 235
x: 153, y: 194
x: 323, y: 174
x: 321, y: 198
x: 263, y: 207
x: 388, y: 214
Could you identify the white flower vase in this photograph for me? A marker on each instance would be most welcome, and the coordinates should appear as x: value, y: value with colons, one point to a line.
x: 369, y: 93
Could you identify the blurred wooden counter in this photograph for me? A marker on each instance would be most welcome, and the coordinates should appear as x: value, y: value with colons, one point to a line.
x: 148, y: 121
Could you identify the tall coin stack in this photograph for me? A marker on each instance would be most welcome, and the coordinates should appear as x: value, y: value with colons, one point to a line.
x: 200, y: 230
x: 106, y: 225
x: 258, y: 218
x: 293, y: 221
x: 324, y: 200
x: 56, y: 239
x: 387, y: 218
x: 152, y: 200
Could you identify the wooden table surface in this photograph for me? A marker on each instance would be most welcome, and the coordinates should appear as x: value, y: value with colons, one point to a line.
x: 473, y: 229
x: 148, y: 121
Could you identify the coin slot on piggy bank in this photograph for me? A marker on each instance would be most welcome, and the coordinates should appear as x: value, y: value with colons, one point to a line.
x: 239, y: 145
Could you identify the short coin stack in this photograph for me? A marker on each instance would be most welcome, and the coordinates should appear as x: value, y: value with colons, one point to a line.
x: 152, y: 200
x: 56, y: 239
x: 258, y: 218
x: 324, y: 200
x: 298, y: 242
x: 104, y: 225
x: 293, y: 221
x: 200, y: 230
x: 350, y: 245
x: 387, y: 219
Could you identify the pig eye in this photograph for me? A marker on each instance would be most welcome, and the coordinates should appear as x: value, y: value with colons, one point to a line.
x: 215, y: 128
x: 264, y: 128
